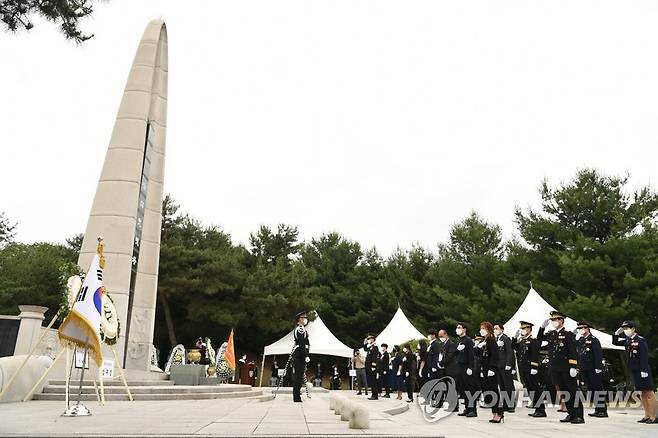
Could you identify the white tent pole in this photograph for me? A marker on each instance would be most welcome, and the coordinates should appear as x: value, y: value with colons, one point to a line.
x: 262, y: 370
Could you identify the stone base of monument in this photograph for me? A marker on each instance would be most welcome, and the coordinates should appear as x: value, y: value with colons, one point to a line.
x: 152, y: 390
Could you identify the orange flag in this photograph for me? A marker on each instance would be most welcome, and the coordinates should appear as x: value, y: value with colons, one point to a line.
x: 229, y: 354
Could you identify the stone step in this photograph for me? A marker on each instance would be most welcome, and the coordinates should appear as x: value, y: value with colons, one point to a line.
x: 171, y: 389
x: 256, y: 394
x: 113, y: 382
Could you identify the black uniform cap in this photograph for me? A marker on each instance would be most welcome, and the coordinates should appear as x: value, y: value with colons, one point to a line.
x: 582, y: 324
x: 628, y: 323
x: 557, y: 314
x: 526, y: 324
x: 299, y: 315
x: 370, y: 335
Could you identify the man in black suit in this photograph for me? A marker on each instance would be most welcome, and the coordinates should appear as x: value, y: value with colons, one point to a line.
x: 506, y: 368
x: 372, y: 366
x: 527, y: 354
x: 590, y: 365
x: 432, y: 365
x: 385, y: 371
x: 300, y: 356
x: 465, y: 378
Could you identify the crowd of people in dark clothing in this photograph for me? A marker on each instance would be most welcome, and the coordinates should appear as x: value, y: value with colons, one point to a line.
x: 558, y: 366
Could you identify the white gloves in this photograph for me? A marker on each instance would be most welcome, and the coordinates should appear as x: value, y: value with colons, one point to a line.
x: 573, y: 372
x: 307, y: 359
x: 598, y: 371
x: 518, y: 333
x: 490, y: 373
x: 545, y: 323
x: 482, y: 344
x: 513, y: 372
x: 376, y: 375
x: 406, y: 374
x: 460, y: 347
x: 420, y: 374
x: 500, y: 343
x: 404, y: 359
x: 533, y: 372
x: 507, y: 367
x: 469, y: 371
x: 644, y: 375
x: 384, y: 372
x: 434, y: 370
x: 619, y: 331
x: 398, y: 373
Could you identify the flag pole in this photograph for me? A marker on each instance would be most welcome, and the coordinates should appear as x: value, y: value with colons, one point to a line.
x: 45, y: 373
x: 98, y: 396
x: 67, y: 373
x: 123, y: 377
x: 100, y: 378
x: 79, y: 410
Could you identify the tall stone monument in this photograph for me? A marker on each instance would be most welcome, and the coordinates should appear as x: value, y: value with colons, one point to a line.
x: 127, y: 207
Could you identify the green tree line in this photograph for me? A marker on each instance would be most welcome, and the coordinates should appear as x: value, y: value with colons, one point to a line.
x: 590, y: 249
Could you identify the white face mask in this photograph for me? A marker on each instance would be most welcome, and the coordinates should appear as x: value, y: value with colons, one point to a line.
x: 525, y: 332
x: 555, y: 324
x: 628, y: 332
x: 483, y: 332
x: 304, y: 321
x: 497, y: 332
x: 404, y: 350
x: 459, y: 331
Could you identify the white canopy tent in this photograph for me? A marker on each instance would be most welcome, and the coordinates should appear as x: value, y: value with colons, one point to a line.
x: 398, y: 331
x: 535, y: 309
x: 321, y: 340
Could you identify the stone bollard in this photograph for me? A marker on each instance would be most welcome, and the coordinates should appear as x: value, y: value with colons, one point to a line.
x: 360, y: 417
x: 338, y: 405
x: 346, y: 412
x: 332, y: 401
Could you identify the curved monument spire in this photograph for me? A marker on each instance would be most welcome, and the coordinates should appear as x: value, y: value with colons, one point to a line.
x: 127, y: 207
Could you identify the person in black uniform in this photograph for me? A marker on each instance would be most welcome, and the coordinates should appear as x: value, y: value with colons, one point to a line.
x: 488, y: 369
x: 527, y: 355
x: 590, y: 365
x: 300, y: 356
x: 465, y: 379
x: 372, y: 366
x: 432, y: 358
x: 408, y: 371
x: 506, y: 368
x: 447, y: 352
x: 563, y: 360
x: 637, y: 359
x: 421, y: 363
x: 384, y: 371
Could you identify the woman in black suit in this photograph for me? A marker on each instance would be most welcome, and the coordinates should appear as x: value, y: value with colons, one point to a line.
x: 488, y: 368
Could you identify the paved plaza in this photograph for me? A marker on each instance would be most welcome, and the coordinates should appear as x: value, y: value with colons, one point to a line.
x: 280, y: 417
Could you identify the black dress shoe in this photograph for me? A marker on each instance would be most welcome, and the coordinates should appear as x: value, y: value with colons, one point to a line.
x: 387, y: 396
x: 654, y: 421
x: 538, y: 414
x: 510, y: 410
x: 600, y: 414
x: 577, y: 420
x: 472, y: 414
x: 644, y: 420
x: 373, y: 398
x: 358, y: 393
x: 463, y: 414
x: 562, y: 410
x: 566, y: 419
x: 410, y: 400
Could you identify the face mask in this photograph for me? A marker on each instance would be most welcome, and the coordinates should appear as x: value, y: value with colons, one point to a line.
x: 304, y: 321
x: 525, y: 332
x: 497, y: 332
x: 555, y: 324
x: 483, y: 332
x: 581, y: 332
x: 628, y: 332
x: 404, y: 350
x: 459, y: 331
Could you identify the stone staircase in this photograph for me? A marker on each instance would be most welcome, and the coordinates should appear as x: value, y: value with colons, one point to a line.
x: 151, y: 390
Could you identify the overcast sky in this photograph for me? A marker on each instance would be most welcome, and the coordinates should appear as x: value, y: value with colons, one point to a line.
x: 385, y: 121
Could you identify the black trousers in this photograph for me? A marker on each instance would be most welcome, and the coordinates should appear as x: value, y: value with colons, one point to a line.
x: 505, y: 382
x: 297, y: 379
x: 595, y: 391
x: 466, y: 387
x: 568, y: 385
x: 491, y: 394
x: 385, y: 382
x: 373, y: 381
x: 409, y: 384
x: 531, y: 383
